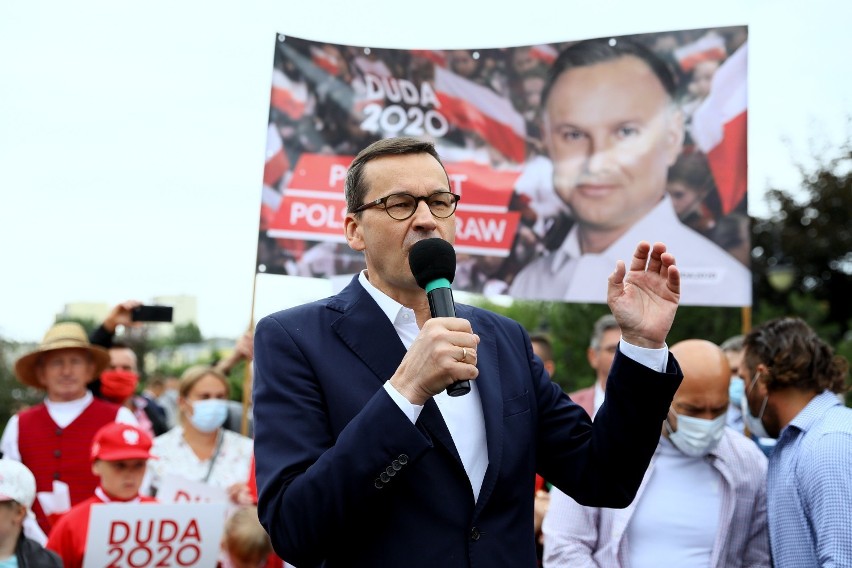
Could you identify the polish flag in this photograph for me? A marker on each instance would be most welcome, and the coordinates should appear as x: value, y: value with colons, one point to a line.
x: 436, y: 56
x: 719, y: 128
x: 276, y: 160
x: 270, y: 200
x: 288, y: 96
x: 710, y: 47
x: 545, y: 53
x: 326, y: 59
x: 471, y: 106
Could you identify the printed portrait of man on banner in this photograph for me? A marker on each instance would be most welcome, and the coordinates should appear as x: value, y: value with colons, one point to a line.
x: 564, y: 155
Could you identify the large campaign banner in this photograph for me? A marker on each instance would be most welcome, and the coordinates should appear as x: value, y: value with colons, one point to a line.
x: 565, y: 155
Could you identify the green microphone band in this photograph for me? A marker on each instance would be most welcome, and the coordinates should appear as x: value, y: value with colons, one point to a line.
x: 437, y: 283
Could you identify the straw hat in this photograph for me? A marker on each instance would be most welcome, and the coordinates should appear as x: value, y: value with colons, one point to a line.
x: 65, y: 335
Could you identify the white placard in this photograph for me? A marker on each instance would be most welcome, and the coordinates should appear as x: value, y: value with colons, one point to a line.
x: 137, y: 535
x: 176, y: 489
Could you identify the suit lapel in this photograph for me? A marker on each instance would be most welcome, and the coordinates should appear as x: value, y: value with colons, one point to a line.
x: 432, y: 421
x: 381, y: 350
x: 380, y: 347
x: 491, y: 394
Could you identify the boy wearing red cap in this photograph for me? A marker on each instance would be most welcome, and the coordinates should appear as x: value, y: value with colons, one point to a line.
x: 120, y: 453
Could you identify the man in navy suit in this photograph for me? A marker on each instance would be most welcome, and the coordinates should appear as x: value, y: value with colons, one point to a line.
x: 362, y: 457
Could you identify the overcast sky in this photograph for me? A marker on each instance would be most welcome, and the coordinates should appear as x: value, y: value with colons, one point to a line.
x: 132, y: 134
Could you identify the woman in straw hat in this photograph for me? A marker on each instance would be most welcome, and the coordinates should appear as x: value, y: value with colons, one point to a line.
x: 53, y: 437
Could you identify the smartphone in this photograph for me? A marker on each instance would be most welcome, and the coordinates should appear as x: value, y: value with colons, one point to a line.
x: 151, y: 313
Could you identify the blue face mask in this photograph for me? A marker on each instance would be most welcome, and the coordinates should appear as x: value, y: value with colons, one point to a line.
x: 736, y: 391
x: 209, y: 415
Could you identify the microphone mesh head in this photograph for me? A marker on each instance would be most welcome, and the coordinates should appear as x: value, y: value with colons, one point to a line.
x: 431, y: 259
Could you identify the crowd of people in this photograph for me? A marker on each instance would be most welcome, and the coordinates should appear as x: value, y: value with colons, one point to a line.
x: 100, y: 436
x: 355, y: 454
x: 717, y: 488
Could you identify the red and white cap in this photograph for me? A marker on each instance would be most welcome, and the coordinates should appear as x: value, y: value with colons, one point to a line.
x: 117, y: 441
x: 17, y: 483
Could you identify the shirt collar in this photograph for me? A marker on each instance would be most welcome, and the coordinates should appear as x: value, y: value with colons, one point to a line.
x: 662, y: 214
x: 391, y: 308
x: 70, y: 404
x: 105, y: 497
x: 814, y: 410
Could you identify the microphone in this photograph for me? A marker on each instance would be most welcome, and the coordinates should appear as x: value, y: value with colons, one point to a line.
x: 433, y: 264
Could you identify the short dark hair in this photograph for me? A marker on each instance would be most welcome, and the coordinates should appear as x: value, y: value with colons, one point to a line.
x: 545, y: 344
x: 795, y: 357
x: 355, y: 188
x: 592, y: 51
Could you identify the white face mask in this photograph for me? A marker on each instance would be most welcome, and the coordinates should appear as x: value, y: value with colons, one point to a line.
x: 208, y: 415
x: 755, y: 423
x: 696, y: 437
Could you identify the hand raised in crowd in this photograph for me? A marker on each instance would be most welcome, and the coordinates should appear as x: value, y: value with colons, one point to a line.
x: 245, y: 345
x: 443, y: 352
x: 121, y: 315
x: 239, y: 494
x: 645, y: 298
x: 244, y: 349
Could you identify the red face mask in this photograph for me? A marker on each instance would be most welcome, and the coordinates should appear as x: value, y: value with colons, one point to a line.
x: 118, y: 385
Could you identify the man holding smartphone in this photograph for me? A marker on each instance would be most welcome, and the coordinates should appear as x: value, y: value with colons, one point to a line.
x: 148, y: 411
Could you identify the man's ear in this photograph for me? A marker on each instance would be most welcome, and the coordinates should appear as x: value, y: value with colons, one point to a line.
x: 352, y: 230
x: 592, y: 357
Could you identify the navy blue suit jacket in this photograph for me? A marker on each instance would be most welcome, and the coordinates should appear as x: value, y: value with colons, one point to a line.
x: 345, y: 478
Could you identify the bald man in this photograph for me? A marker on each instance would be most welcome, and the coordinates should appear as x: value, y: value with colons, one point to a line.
x: 702, y: 501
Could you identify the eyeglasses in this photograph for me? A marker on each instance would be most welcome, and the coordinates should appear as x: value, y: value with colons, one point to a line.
x: 401, y: 206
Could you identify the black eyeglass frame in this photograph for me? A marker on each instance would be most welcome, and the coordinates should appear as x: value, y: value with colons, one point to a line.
x: 383, y: 202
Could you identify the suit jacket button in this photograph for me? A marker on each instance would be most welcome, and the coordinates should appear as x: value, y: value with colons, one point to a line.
x: 474, y: 534
x: 403, y: 459
x: 378, y: 483
x: 57, y: 453
x: 396, y: 465
x: 384, y: 477
x: 56, y: 475
x: 390, y: 471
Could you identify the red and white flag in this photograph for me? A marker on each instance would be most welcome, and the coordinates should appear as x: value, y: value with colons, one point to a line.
x: 719, y: 128
x: 327, y: 58
x: 276, y: 160
x: 436, y: 56
x: 471, y: 106
x: 545, y: 53
x: 710, y: 47
x: 288, y: 96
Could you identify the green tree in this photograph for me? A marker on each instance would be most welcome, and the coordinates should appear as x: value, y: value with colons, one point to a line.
x: 186, y: 333
x: 14, y: 396
x: 88, y: 323
x: 812, y: 235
